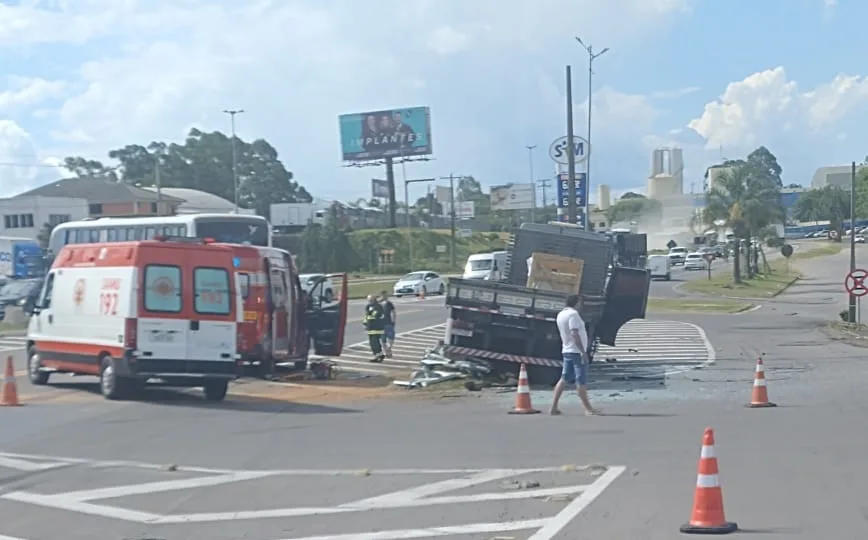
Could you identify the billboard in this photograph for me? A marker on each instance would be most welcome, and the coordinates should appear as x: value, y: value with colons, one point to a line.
x: 379, y: 188
x: 463, y: 210
x: 563, y: 189
x: 513, y: 197
x: 442, y: 194
x: 389, y: 133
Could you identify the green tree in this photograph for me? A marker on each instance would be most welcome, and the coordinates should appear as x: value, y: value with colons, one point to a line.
x: 204, y: 162
x: 428, y: 205
x: 830, y: 203
x: 82, y: 167
x: 634, y: 207
x: 44, y: 235
x: 746, y: 199
x: 766, y: 164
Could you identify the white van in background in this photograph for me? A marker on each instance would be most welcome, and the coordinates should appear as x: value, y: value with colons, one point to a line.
x: 660, y: 267
x: 488, y: 266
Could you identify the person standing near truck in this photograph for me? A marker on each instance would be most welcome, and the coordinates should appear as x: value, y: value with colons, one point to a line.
x: 574, y: 349
x: 375, y: 325
x: 391, y: 320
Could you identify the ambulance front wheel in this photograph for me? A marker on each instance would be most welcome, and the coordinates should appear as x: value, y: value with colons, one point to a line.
x: 34, y: 374
x: 215, y: 390
x: 110, y: 385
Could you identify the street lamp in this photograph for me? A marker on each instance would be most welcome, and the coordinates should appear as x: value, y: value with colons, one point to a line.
x: 232, y: 113
x: 407, y: 209
x: 530, y: 148
x: 591, y: 57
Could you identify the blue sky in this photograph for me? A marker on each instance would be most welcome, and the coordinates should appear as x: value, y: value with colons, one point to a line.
x: 86, y: 76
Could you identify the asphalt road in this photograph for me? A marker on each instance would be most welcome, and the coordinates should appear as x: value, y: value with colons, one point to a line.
x: 429, y: 465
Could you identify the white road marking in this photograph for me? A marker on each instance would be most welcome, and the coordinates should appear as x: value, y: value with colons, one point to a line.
x: 4, y: 537
x: 429, y: 494
x: 433, y: 532
x: 556, y: 524
x: 28, y: 466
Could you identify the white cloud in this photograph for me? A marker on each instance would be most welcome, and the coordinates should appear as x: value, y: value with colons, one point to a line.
x: 20, y: 168
x: 26, y: 91
x: 447, y: 40
x: 767, y: 104
x: 676, y: 93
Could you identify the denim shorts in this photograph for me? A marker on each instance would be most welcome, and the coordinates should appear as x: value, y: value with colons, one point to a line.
x: 574, y: 370
x: 389, y: 332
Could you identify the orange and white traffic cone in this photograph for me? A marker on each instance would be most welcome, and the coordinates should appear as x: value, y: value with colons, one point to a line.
x: 421, y: 295
x: 522, y: 395
x: 10, y: 388
x: 760, y: 396
x: 707, y: 516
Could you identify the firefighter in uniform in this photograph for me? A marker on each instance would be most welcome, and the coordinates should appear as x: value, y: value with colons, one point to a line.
x: 375, y: 325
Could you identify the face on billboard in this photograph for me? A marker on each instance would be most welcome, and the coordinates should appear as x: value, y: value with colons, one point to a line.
x: 381, y: 134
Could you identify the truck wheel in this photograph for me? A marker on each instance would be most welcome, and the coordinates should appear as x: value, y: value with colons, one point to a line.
x: 110, y: 385
x: 668, y: 277
x: 215, y: 390
x: 442, y: 289
x: 300, y: 365
x: 36, y: 377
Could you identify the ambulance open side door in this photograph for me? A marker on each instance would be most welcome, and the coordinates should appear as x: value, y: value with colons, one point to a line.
x: 326, y: 321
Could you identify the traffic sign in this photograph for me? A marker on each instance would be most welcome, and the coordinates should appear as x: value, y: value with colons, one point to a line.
x: 855, y: 282
x: 563, y: 190
x: 787, y: 250
x: 558, y: 150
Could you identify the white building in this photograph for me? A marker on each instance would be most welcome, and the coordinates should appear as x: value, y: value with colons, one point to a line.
x: 25, y: 216
x: 839, y: 176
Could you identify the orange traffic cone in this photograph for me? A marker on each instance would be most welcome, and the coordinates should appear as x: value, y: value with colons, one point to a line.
x: 760, y: 396
x: 421, y: 295
x: 522, y: 395
x: 10, y: 389
x: 707, y: 516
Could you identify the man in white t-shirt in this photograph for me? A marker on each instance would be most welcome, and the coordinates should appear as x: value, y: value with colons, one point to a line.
x: 574, y: 349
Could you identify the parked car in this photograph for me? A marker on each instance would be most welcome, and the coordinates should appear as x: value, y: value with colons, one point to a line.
x: 17, y: 292
x: 859, y: 239
x: 695, y: 261
x: 308, y: 281
x: 415, y: 283
x: 677, y: 255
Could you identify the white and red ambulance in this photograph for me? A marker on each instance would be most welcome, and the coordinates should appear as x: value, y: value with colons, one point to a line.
x: 130, y: 312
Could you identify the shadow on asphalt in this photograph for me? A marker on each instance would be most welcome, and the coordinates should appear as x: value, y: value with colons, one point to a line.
x: 156, y: 395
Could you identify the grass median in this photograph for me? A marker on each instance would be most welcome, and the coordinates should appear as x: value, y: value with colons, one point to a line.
x: 765, y: 285
x: 697, y: 305
x: 362, y: 289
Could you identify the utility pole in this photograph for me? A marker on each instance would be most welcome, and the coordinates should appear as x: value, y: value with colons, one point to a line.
x: 158, y: 182
x: 530, y: 148
x: 591, y: 57
x: 452, y: 219
x: 571, y: 154
x: 232, y: 113
x: 407, y: 207
x: 852, y: 305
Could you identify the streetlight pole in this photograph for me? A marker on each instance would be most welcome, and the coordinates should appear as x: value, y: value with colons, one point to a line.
x: 232, y: 113
x: 591, y: 57
x: 530, y: 148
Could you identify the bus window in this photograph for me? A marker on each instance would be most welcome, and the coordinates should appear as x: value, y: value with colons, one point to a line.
x: 135, y: 233
x: 70, y: 237
x: 111, y: 235
x: 150, y: 233
x: 182, y: 230
x: 94, y: 236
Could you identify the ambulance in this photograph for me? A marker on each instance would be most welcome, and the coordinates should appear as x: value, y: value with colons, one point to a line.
x: 133, y: 312
x: 282, y: 323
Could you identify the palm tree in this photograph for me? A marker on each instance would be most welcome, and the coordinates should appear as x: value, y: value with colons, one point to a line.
x: 746, y: 200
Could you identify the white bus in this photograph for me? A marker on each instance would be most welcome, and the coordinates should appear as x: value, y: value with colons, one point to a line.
x: 227, y: 228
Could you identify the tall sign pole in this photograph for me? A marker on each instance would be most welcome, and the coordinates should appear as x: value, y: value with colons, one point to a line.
x: 852, y: 306
x: 571, y: 155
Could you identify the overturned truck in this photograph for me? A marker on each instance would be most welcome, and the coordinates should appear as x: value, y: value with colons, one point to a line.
x: 508, y: 323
